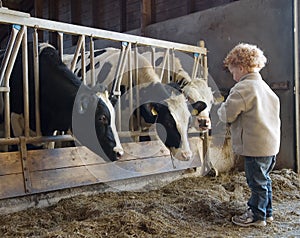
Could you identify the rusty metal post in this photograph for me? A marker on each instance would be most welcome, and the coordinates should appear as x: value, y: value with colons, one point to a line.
x: 36, y: 83
x: 25, y: 82
x: 92, y: 62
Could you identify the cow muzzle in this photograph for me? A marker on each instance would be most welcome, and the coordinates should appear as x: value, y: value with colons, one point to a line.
x: 181, y: 154
x: 204, y: 123
x: 119, y: 151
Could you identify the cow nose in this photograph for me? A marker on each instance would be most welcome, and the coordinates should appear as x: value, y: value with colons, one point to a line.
x: 204, y: 123
x: 119, y: 151
x: 187, y: 155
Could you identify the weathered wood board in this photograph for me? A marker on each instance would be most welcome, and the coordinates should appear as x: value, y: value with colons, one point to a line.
x: 54, y: 169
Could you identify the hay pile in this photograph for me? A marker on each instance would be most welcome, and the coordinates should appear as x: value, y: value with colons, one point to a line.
x: 190, y: 207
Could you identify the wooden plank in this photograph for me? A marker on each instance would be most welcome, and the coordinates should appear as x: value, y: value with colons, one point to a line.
x: 79, y: 156
x: 146, y: 14
x: 62, y: 168
x: 11, y: 185
x: 10, y: 163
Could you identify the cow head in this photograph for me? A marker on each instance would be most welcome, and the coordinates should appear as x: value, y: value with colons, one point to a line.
x: 198, y: 90
x: 172, y: 118
x: 94, y: 121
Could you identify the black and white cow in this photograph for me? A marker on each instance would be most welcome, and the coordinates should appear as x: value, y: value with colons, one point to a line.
x: 177, y: 72
x: 61, y: 91
x: 170, y: 112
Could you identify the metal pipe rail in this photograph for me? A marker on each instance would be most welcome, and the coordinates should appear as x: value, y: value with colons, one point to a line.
x: 26, y: 21
x: 14, y: 17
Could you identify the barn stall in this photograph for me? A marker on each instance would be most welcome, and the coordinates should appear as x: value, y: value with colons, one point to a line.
x: 28, y: 172
x: 286, y: 181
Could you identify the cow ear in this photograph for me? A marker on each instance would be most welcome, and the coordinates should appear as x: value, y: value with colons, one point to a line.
x: 198, y: 107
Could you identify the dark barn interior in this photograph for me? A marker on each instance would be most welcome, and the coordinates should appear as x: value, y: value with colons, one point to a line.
x: 113, y: 15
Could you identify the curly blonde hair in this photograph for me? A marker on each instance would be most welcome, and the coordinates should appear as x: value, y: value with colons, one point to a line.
x: 247, y: 56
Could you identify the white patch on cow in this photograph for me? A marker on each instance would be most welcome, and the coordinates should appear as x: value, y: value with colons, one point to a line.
x: 104, y: 97
x: 181, y: 115
x: 198, y: 90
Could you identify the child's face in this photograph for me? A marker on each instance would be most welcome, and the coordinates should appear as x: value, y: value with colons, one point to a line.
x: 237, y: 72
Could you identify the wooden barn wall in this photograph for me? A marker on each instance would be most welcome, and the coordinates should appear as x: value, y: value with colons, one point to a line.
x: 114, y: 15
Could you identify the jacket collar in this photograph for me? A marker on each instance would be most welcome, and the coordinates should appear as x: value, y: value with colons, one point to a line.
x: 251, y: 76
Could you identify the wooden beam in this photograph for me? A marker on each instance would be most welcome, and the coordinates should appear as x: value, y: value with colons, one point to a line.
x: 75, y: 16
x: 146, y: 15
x: 53, y: 15
x: 38, y: 12
x: 123, y: 15
x: 97, y: 7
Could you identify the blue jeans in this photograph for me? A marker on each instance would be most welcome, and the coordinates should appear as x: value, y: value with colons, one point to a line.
x: 257, y: 170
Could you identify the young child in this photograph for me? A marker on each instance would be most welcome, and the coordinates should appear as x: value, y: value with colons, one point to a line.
x: 252, y: 109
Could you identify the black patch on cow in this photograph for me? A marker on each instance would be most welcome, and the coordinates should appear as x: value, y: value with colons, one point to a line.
x: 58, y: 91
x: 97, y: 65
x: 166, y: 126
x: 105, y: 70
x: 98, y: 52
x: 158, y: 61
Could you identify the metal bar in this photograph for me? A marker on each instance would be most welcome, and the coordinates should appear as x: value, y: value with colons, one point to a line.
x: 173, y: 65
x: 138, y: 113
x: 83, y: 68
x: 297, y: 90
x: 119, y: 81
x: 164, y: 64
x: 77, y: 51
x: 6, y: 16
x: 36, y: 83
x: 8, y: 71
x: 196, y: 65
x: 119, y: 65
x: 130, y: 89
x: 92, y: 62
x: 25, y: 82
x: 60, y: 44
x: 204, y: 58
x: 11, y: 42
x: 31, y: 140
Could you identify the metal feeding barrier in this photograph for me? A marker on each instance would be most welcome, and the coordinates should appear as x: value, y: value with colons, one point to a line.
x: 25, y: 171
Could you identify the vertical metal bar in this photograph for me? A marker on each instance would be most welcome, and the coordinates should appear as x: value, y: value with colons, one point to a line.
x: 168, y: 67
x: 25, y: 82
x: 196, y: 65
x: 60, y: 44
x: 6, y: 81
x: 92, y: 62
x: 36, y: 82
x: 297, y: 90
x: 119, y: 80
x: 164, y: 64
x: 120, y: 62
x: 83, y: 68
x: 77, y: 51
x: 173, y: 65
x: 204, y: 57
x: 137, y: 87
x: 130, y: 63
x: 153, y: 56
x: 8, y: 51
